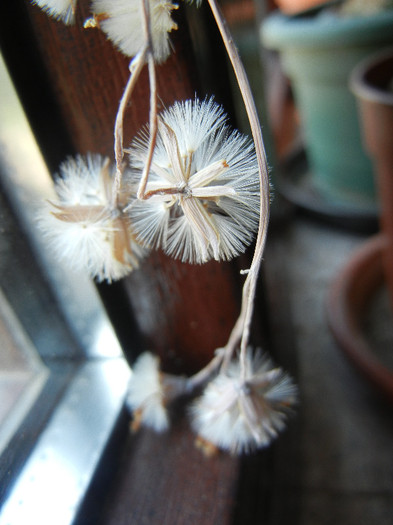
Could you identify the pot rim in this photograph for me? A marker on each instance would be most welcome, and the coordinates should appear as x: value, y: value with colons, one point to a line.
x: 348, y: 297
x: 317, y: 30
x: 361, y: 81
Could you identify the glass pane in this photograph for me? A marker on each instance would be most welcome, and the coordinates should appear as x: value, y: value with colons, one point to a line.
x: 27, y: 183
x: 22, y: 373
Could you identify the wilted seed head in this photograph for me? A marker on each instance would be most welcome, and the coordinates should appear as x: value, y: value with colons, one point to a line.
x: 63, y: 10
x: 84, y: 227
x: 145, y: 396
x: 150, y: 391
x: 242, y: 414
x: 202, y: 197
x: 122, y: 22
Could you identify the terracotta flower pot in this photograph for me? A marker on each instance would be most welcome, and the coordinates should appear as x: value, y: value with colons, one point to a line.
x: 372, y: 83
x: 349, y: 299
x: 353, y: 289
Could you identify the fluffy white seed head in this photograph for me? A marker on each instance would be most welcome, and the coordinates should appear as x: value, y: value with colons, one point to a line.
x: 122, y: 22
x: 242, y: 415
x: 63, y: 10
x: 83, y: 227
x: 203, y: 189
x: 146, y: 394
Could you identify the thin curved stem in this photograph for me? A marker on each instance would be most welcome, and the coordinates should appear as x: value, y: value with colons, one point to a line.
x: 205, y: 373
x: 145, y: 55
x: 136, y: 67
x: 152, y: 128
x: 245, y: 317
x: 237, y: 330
x: 153, y: 100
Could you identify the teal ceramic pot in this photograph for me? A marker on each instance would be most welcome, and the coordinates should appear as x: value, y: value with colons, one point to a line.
x: 318, y: 51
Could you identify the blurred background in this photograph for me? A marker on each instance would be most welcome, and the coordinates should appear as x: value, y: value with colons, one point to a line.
x: 318, y: 70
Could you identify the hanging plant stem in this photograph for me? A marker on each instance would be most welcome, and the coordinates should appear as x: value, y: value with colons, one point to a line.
x: 153, y: 126
x: 135, y: 67
x: 153, y: 100
x: 241, y: 330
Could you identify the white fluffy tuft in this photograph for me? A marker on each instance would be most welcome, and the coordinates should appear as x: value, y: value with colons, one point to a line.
x: 209, y: 208
x: 82, y: 226
x: 240, y: 416
x: 63, y: 10
x: 121, y: 21
x: 146, y: 393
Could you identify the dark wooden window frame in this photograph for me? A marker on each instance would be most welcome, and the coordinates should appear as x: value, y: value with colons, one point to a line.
x: 144, y: 478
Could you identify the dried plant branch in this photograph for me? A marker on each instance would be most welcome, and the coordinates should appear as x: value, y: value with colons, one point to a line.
x: 241, y: 330
x: 153, y: 100
x: 145, y: 55
x: 201, y: 377
x: 136, y: 67
x: 224, y: 355
x: 153, y: 127
x: 238, y: 329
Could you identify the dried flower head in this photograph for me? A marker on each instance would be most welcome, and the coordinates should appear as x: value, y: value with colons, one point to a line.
x: 242, y: 413
x: 145, y: 396
x: 122, y: 22
x: 63, y: 10
x: 84, y: 227
x: 150, y: 391
x: 202, y: 196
